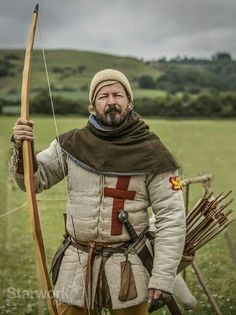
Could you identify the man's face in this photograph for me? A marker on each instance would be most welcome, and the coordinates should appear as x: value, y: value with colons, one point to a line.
x: 112, y: 105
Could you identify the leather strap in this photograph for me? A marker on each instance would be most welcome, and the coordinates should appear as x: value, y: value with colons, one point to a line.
x: 93, y: 249
x: 98, y: 249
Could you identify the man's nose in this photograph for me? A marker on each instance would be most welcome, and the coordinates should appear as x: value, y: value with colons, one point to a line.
x: 111, y: 99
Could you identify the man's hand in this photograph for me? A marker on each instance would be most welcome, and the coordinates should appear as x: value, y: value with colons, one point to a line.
x: 23, y: 130
x: 157, y: 299
x: 154, y: 294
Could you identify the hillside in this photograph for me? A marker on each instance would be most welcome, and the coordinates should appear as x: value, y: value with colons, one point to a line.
x: 180, y: 87
x: 70, y: 71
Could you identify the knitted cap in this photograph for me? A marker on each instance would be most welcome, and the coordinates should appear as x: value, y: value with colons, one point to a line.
x: 108, y: 77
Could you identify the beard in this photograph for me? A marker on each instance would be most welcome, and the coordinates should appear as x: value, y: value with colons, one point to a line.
x: 112, y: 116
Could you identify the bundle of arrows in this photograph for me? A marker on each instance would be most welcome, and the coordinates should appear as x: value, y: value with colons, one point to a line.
x: 207, y: 219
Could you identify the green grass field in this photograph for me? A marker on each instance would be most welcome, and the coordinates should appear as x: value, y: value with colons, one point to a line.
x: 206, y: 146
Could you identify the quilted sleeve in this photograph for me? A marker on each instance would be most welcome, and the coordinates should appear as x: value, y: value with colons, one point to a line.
x: 168, y: 207
x: 52, y: 168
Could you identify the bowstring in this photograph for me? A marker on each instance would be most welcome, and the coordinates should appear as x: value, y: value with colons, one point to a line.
x: 52, y: 104
x: 13, y: 210
x: 6, y: 213
x: 60, y: 155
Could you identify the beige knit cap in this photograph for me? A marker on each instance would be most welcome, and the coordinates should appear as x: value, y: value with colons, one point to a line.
x: 108, y: 77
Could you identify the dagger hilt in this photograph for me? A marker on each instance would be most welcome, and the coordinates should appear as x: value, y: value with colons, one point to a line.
x: 124, y: 219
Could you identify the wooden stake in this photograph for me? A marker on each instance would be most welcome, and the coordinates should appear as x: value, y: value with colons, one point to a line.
x: 205, y: 288
x: 230, y: 246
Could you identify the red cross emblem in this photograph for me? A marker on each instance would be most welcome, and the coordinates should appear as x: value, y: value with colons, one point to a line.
x: 120, y: 194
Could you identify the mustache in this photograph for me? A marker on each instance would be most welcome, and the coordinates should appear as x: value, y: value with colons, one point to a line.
x: 112, y: 108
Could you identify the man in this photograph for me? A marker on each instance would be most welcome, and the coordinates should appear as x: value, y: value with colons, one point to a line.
x: 114, y: 163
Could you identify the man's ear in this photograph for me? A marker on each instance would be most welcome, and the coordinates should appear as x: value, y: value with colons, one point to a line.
x: 91, y: 109
x: 130, y: 106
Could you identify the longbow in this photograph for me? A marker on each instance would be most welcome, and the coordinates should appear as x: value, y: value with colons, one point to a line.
x: 29, y: 173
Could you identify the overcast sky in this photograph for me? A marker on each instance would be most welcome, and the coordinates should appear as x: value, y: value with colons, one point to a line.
x: 143, y: 28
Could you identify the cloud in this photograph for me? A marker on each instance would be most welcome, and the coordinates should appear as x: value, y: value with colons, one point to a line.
x: 147, y: 29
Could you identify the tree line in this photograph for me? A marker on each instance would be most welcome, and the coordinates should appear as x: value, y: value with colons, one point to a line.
x: 190, y: 79
x: 204, y: 104
x: 207, y: 105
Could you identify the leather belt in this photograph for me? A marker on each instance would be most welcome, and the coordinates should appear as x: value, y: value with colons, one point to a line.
x: 99, y: 249
x: 93, y: 249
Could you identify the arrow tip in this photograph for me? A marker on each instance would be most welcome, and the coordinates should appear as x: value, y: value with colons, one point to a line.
x: 36, y: 9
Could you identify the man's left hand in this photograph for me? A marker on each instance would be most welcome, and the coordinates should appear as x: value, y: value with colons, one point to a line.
x: 157, y: 299
x: 154, y: 294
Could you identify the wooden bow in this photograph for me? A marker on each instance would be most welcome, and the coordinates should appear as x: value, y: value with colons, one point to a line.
x: 29, y: 173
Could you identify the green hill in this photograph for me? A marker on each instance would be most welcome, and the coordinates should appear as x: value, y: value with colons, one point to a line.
x: 70, y: 71
x: 183, y: 87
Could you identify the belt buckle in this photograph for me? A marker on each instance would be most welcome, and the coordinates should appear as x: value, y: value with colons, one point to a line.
x: 98, y: 250
x: 105, y: 254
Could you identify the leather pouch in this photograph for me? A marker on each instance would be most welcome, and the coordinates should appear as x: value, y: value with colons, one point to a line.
x: 128, y: 289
